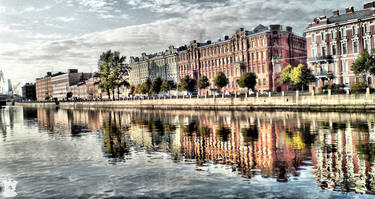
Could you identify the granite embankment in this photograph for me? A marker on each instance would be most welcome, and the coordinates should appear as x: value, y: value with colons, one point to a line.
x: 350, y: 103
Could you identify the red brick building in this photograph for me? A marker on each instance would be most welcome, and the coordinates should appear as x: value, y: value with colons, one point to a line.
x: 335, y: 42
x: 264, y: 50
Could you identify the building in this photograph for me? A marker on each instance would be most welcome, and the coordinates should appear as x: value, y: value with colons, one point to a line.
x: 264, y: 50
x: 61, y: 83
x: 29, y: 92
x: 43, y: 87
x: 162, y: 64
x: 335, y: 42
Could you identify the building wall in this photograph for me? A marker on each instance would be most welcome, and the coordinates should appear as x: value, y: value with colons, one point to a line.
x: 349, y: 33
x: 162, y: 64
x: 43, y: 88
x: 62, y: 83
x: 29, y: 92
x: 265, y: 51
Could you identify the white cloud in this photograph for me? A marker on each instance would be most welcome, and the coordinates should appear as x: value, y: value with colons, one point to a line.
x: 66, y: 19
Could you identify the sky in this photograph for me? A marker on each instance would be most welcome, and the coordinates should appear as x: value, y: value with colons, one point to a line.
x: 37, y: 36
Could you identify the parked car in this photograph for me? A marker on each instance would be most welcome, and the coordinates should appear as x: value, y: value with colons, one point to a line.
x: 266, y: 92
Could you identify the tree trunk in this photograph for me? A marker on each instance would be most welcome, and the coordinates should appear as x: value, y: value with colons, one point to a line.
x: 118, y: 92
x: 113, y: 94
x: 109, y: 94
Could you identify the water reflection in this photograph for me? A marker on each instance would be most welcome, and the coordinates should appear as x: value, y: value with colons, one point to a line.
x: 340, y: 148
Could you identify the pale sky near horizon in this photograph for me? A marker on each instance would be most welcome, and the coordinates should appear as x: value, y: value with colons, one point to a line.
x: 37, y: 36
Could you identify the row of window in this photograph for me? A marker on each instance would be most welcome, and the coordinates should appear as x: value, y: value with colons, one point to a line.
x: 342, y: 32
x: 344, y: 48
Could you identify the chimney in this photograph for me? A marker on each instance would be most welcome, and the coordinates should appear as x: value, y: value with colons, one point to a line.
x: 289, y: 29
x: 369, y: 5
x: 349, y: 10
x: 336, y: 13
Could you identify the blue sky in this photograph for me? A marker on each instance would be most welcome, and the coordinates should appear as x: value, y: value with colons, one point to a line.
x: 37, y: 36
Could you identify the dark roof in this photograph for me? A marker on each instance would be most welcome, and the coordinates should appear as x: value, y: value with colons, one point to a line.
x: 360, y: 14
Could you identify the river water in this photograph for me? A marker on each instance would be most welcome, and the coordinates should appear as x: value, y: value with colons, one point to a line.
x: 102, y: 153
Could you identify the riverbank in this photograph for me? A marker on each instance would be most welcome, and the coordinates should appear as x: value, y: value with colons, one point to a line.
x: 347, y: 103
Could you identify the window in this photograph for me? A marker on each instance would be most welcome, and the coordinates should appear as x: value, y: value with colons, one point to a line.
x: 345, y: 66
x: 263, y: 69
x: 333, y: 33
x: 264, y: 55
x: 313, y: 52
x: 278, y: 68
x: 355, y: 46
x: 334, y: 49
x: 264, y: 82
x: 323, y: 34
x: 344, y: 48
x: 367, y: 27
x: 343, y: 32
x: 354, y: 30
x: 275, y: 41
x: 324, y: 51
x: 335, y: 68
x: 313, y: 37
x: 367, y: 44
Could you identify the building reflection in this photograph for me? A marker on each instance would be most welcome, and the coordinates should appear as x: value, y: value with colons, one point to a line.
x: 339, y: 147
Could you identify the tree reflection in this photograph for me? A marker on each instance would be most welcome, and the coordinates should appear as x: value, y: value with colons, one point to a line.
x: 250, y: 134
x: 115, y: 140
x: 223, y: 132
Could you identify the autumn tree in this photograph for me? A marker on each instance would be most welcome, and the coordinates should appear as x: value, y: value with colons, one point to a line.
x: 220, y: 80
x: 363, y: 65
x: 301, y: 76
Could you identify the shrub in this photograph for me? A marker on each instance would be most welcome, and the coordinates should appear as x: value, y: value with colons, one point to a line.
x: 358, y: 87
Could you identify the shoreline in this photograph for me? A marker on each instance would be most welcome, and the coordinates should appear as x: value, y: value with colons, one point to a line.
x: 318, y: 103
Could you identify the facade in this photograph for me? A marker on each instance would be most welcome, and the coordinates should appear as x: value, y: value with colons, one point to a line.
x: 43, y: 87
x: 61, y: 83
x: 29, y: 92
x: 264, y: 50
x: 162, y: 64
x: 335, y: 42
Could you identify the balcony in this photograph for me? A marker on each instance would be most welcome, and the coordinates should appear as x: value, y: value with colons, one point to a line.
x: 321, y: 59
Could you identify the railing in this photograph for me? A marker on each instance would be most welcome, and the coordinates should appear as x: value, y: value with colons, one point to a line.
x: 321, y: 59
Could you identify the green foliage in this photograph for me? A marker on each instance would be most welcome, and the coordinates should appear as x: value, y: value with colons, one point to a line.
x: 156, y: 85
x: 203, y: 82
x: 187, y: 83
x: 220, y: 80
x: 363, y: 64
x: 335, y: 88
x: 285, y: 76
x: 168, y: 85
x: 358, y: 87
x: 248, y: 80
x: 301, y: 76
x: 145, y: 87
x: 112, y: 71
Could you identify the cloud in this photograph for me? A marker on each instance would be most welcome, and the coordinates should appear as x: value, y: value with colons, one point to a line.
x: 65, y: 19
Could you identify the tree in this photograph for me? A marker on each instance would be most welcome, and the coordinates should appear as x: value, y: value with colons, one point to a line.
x: 248, y: 80
x: 187, y: 83
x: 168, y: 85
x: 112, y: 72
x: 203, y: 82
x: 220, y: 80
x: 145, y: 87
x: 131, y: 89
x: 285, y: 76
x: 301, y: 76
x: 362, y: 65
x: 156, y: 85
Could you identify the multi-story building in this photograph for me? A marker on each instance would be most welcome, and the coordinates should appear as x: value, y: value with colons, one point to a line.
x: 264, y: 50
x: 335, y: 42
x: 162, y: 64
x: 29, y: 92
x: 43, y: 87
x: 61, y: 83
